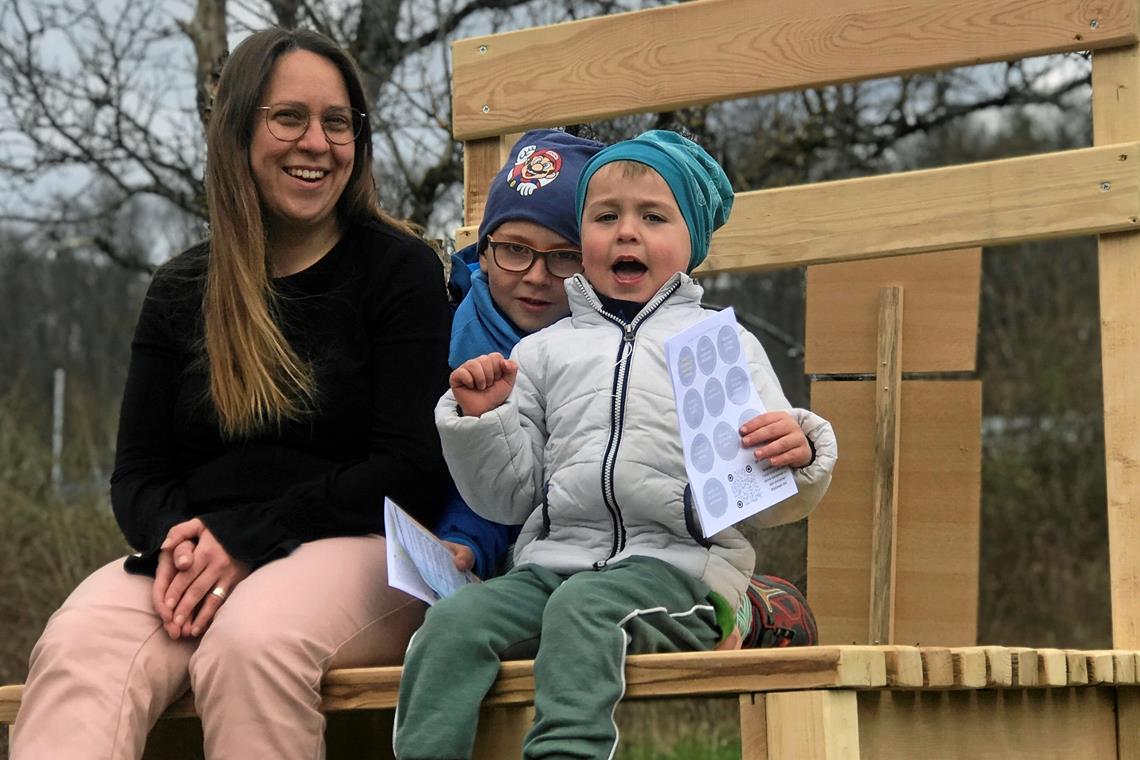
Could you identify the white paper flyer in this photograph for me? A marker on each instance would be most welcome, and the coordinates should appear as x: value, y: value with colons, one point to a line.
x: 715, y: 396
x: 418, y: 562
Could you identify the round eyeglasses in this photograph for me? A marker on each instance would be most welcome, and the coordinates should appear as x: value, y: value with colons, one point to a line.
x: 516, y: 257
x: 288, y: 122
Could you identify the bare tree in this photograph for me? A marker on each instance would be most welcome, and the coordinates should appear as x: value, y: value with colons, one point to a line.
x: 115, y: 96
x: 86, y: 107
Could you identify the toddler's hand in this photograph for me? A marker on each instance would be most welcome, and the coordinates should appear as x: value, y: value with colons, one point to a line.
x: 483, y: 383
x: 778, y: 439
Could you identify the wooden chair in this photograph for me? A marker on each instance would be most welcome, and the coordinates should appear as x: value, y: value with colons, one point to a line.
x: 872, y: 567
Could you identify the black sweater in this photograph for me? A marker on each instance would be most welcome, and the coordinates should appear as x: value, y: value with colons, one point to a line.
x: 371, y: 319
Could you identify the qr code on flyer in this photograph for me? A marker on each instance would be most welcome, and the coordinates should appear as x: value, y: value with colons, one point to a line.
x: 746, y: 486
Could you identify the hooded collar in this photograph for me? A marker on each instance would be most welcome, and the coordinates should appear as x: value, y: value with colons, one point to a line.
x: 478, y: 326
x: 585, y: 302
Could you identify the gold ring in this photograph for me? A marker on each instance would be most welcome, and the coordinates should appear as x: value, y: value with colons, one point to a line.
x: 219, y: 592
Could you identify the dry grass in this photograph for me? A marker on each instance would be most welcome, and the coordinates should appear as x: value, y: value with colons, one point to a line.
x: 49, y: 541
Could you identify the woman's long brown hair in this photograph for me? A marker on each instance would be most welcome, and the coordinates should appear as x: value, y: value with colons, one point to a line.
x: 257, y: 381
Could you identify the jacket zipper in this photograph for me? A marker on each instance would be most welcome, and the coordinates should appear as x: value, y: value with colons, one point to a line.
x: 617, y: 407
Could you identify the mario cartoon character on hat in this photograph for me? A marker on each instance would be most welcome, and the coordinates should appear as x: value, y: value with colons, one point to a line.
x: 534, y: 169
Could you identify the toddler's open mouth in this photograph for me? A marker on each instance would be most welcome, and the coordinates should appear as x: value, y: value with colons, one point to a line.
x: 628, y: 268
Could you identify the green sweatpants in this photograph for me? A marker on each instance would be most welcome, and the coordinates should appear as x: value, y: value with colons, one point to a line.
x: 586, y: 623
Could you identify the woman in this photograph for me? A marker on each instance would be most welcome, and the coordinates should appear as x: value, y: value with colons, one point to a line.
x: 282, y: 382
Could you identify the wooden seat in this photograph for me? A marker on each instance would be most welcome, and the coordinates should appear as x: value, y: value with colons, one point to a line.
x: 828, y: 701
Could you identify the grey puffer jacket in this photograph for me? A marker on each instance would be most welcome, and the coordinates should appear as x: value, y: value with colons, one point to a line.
x: 587, y: 451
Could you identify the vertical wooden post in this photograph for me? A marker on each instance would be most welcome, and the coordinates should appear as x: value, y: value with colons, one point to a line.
x: 753, y: 727
x: 506, y: 142
x: 481, y: 159
x: 888, y: 396
x: 1116, y: 118
x: 813, y: 725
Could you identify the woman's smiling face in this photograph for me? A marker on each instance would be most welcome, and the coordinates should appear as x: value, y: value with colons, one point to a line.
x: 300, y: 182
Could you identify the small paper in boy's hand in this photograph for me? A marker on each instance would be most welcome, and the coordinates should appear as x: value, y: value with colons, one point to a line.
x: 418, y: 562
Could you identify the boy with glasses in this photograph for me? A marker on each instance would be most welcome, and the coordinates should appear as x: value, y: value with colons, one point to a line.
x: 511, y: 285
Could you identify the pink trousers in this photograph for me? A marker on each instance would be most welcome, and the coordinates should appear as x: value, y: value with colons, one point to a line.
x: 104, y: 670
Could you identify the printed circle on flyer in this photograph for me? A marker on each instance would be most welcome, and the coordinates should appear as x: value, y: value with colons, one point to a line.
x: 736, y: 382
x: 694, y: 408
x: 726, y: 440
x: 686, y: 366
x: 747, y: 415
x: 714, y: 396
x: 706, y: 355
x: 701, y: 454
x: 714, y: 498
x: 728, y: 344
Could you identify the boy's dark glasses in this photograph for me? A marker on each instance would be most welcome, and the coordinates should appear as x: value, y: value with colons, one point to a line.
x: 516, y: 257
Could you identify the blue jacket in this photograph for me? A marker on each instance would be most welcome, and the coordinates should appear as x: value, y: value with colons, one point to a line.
x: 477, y: 328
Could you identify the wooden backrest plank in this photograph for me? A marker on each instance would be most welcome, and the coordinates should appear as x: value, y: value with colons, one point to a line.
x: 939, y: 517
x: 1075, y: 192
x: 660, y: 59
x: 940, y: 323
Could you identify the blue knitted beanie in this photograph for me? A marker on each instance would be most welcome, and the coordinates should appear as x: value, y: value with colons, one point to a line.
x: 538, y: 182
x: 699, y: 185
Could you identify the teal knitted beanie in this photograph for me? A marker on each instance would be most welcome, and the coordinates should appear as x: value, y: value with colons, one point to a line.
x: 701, y: 188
